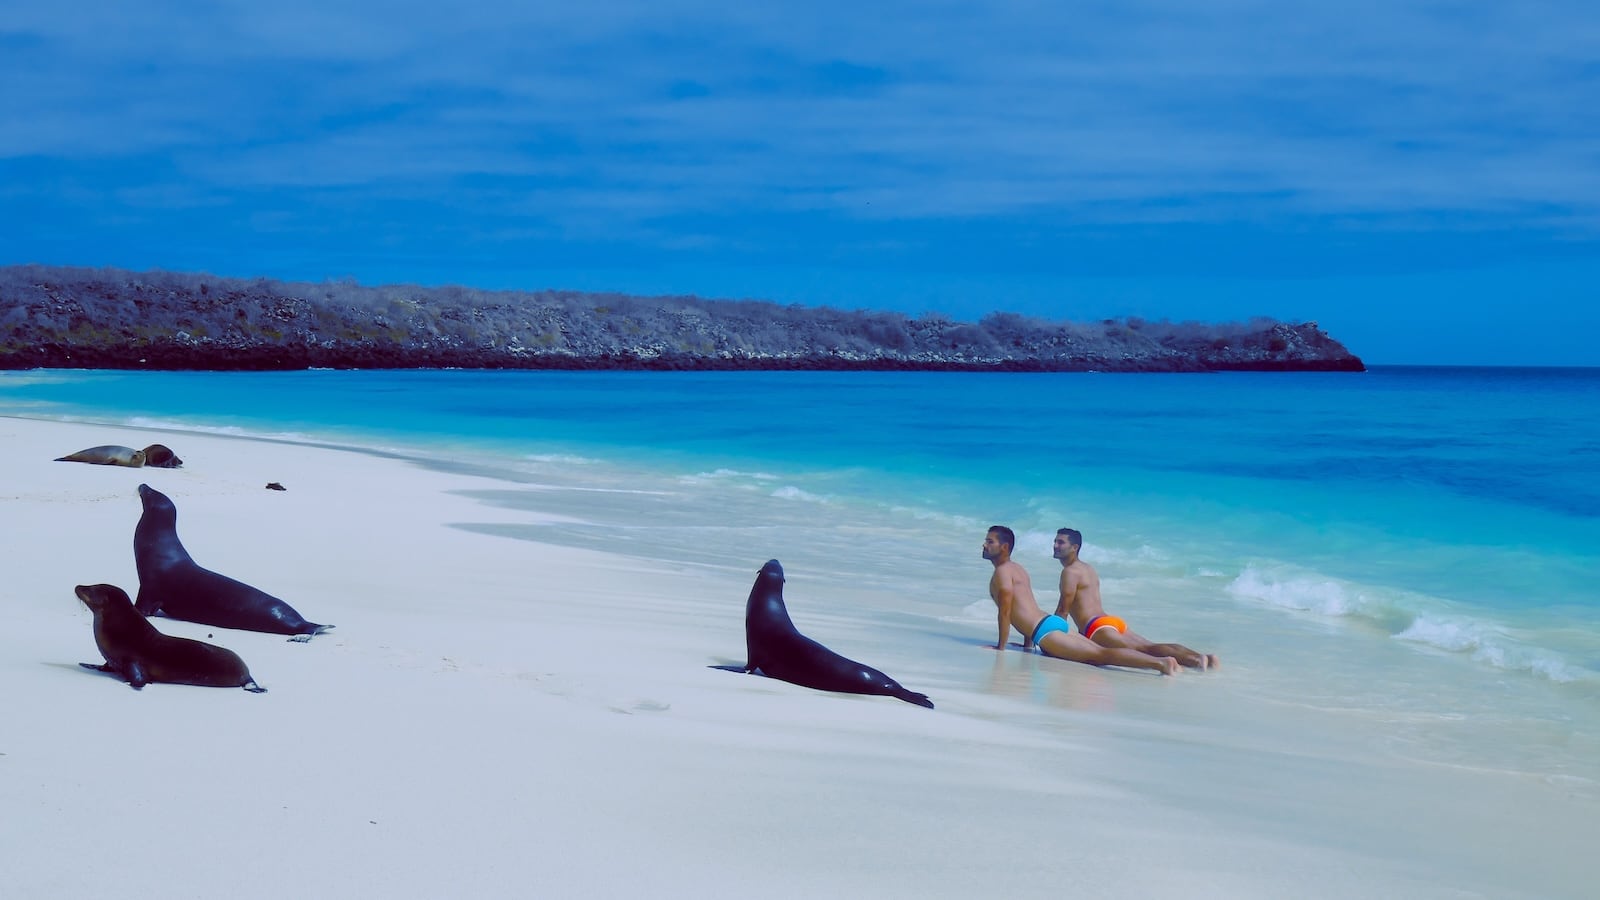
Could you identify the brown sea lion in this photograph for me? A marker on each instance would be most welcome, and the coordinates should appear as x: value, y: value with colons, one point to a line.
x: 139, y: 654
x: 171, y: 583
x: 107, y: 455
x: 778, y: 650
x: 161, y: 456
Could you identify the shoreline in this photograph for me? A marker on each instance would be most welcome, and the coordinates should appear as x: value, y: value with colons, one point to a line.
x: 494, y: 716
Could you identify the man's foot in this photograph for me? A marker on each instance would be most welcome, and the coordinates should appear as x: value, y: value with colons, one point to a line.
x: 1169, y: 665
x: 1211, y: 661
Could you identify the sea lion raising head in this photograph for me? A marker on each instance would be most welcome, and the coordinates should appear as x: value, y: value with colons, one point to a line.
x: 172, y: 584
x: 139, y: 654
x: 780, y: 651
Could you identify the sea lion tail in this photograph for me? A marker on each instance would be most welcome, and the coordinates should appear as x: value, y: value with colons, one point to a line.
x: 914, y: 697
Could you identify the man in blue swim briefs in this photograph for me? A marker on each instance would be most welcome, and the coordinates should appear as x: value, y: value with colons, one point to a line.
x: 1080, y: 601
x: 1012, y: 593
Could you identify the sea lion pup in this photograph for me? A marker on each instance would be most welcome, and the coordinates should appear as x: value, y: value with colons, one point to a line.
x: 780, y: 651
x: 139, y: 654
x: 160, y: 456
x: 107, y: 455
x: 170, y: 583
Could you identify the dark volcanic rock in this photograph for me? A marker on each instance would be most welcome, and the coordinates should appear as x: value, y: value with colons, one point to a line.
x: 111, y: 319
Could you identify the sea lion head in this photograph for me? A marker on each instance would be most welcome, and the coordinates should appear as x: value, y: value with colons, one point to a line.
x: 771, y: 573
x: 96, y: 596
x: 160, y: 456
x: 765, y: 611
x: 155, y: 501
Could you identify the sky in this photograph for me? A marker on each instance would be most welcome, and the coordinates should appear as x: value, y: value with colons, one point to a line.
x: 1422, y: 179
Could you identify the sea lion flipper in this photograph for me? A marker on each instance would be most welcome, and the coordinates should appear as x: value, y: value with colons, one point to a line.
x: 135, y: 674
x: 103, y: 667
x: 914, y: 697
x: 253, y: 688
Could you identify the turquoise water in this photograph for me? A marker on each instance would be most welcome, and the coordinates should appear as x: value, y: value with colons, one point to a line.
x: 1445, y: 518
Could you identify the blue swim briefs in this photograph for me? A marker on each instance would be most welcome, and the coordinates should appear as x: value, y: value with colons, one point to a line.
x: 1048, y: 624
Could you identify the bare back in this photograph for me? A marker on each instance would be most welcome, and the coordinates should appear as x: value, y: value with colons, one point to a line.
x: 1011, y: 587
x: 1080, y: 593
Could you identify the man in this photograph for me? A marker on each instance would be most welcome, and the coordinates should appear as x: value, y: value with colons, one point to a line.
x: 1080, y: 601
x: 1012, y: 592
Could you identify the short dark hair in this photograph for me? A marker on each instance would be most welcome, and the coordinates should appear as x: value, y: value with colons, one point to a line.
x: 1074, y: 536
x: 1007, y: 537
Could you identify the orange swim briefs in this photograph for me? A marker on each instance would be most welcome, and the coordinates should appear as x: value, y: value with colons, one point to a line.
x: 1099, y: 622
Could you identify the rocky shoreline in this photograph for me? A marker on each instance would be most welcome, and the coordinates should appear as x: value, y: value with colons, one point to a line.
x: 54, y: 317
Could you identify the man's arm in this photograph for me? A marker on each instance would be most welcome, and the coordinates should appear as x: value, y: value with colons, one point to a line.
x: 1004, y: 598
x: 1069, y: 589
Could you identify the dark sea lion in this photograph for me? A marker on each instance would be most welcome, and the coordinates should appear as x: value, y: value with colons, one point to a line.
x: 107, y: 455
x: 139, y: 654
x: 170, y: 583
x: 780, y: 651
x: 161, y: 456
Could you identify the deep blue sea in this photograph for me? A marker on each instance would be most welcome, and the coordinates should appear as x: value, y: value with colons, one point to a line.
x: 1446, y: 516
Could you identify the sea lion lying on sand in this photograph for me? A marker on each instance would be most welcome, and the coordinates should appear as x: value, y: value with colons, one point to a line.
x: 107, y: 455
x: 158, y: 456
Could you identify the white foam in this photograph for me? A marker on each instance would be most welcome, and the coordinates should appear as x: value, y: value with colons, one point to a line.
x: 562, y: 458
x: 793, y: 493
x: 1492, y: 646
x: 1305, y: 593
x: 726, y: 474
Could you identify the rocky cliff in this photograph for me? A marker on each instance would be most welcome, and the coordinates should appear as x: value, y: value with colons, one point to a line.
x: 105, y: 318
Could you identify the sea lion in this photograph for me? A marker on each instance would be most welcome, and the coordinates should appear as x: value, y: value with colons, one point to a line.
x: 107, y: 455
x: 170, y: 583
x: 780, y: 651
x: 139, y: 654
x: 160, y: 456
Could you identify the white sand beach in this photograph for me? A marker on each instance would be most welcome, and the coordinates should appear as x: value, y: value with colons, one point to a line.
x: 493, y: 717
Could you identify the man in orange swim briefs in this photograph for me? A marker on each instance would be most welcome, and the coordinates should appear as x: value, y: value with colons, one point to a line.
x: 1012, y: 593
x: 1080, y: 601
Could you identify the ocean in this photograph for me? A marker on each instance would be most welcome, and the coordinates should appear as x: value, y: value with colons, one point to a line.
x: 1410, y: 556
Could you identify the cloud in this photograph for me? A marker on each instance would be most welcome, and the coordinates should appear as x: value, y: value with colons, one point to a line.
x: 616, y: 116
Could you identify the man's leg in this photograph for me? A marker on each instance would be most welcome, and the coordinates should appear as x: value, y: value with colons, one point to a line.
x: 1110, y: 637
x: 1070, y: 645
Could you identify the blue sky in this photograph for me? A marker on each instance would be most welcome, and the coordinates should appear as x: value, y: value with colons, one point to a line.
x: 1422, y: 179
